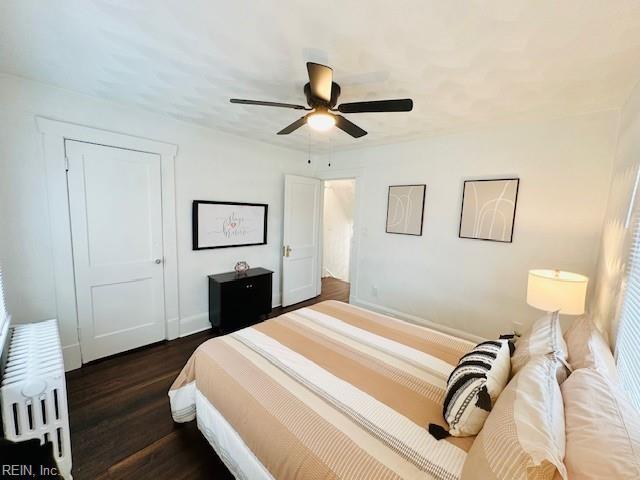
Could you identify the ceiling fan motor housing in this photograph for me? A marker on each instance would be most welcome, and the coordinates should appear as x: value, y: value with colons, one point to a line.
x: 315, y: 102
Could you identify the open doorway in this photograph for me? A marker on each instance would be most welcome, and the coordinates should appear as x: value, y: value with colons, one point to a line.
x: 337, y: 234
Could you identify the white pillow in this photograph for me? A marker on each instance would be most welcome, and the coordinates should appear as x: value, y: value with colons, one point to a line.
x: 473, y: 387
x: 524, y: 437
x: 543, y: 338
x: 603, y: 428
x: 588, y: 349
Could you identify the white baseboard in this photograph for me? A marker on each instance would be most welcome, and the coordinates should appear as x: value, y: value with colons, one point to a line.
x: 417, y: 320
x: 276, y: 301
x: 194, y: 324
x: 72, y: 357
x: 173, y: 328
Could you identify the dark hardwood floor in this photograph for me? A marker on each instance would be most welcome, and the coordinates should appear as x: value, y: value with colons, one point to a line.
x: 121, y: 424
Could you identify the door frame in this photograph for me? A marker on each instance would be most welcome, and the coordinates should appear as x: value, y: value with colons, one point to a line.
x: 354, y: 174
x: 55, y: 133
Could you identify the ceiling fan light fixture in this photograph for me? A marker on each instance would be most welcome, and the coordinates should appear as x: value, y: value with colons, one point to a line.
x: 321, y: 121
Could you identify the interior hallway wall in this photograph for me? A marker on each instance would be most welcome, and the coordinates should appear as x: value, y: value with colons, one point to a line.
x: 337, y: 228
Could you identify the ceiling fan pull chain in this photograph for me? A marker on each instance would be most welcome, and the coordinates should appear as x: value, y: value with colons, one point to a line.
x: 309, y: 146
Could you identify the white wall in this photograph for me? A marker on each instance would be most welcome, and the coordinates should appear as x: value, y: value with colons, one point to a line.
x: 477, y: 286
x: 209, y: 166
x: 564, y: 166
x: 615, y: 234
x: 337, y: 228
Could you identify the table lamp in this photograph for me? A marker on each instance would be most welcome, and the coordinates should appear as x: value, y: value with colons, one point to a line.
x: 555, y: 290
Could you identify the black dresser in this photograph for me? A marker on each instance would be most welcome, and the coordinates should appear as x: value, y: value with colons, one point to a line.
x: 239, y: 300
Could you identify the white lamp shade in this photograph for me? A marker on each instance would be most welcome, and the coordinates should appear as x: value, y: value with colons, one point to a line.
x: 553, y: 290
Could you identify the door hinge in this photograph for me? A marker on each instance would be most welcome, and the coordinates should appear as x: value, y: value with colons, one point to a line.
x: 66, y: 163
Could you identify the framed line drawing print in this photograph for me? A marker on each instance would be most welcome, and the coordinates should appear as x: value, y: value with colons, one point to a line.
x: 489, y: 209
x: 405, y: 209
x: 228, y: 224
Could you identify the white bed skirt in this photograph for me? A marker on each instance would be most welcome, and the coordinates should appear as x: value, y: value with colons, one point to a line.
x: 229, y: 446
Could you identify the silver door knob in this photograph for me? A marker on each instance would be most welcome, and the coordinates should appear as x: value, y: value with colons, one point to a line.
x: 158, y: 261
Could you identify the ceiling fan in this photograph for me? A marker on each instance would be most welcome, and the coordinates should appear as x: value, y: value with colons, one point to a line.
x: 322, y: 96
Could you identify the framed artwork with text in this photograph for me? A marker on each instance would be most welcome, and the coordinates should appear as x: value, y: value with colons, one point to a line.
x: 228, y: 224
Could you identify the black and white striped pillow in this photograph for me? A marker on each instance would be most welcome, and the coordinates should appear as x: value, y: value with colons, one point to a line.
x: 473, y: 387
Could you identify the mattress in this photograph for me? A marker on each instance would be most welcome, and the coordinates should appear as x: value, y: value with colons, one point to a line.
x: 327, y: 391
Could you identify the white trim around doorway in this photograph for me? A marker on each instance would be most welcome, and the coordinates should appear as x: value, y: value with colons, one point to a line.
x: 55, y: 133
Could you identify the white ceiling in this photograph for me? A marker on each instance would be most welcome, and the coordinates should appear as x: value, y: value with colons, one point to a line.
x: 464, y: 63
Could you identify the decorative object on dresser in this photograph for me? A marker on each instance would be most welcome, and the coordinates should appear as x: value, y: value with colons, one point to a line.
x: 241, y: 267
x: 405, y: 209
x: 239, y: 300
x: 228, y: 224
x: 489, y: 209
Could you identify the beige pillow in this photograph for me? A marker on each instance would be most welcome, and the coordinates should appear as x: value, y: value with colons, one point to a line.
x: 523, y: 437
x: 602, y: 428
x: 543, y: 338
x: 588, y: 349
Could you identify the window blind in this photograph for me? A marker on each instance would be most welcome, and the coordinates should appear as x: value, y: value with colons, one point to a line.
x: 4, y: 318
x: 628, y: 336
x: 4, y: 315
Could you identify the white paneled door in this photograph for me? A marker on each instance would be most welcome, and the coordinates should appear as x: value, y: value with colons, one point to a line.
x: 116, y: 224
x: 301, y: 239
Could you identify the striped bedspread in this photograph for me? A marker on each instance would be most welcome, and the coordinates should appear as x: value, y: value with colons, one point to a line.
x: 331, y: 391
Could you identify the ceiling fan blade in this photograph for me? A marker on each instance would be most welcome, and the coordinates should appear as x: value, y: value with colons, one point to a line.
x: 401, y: 105
x: 320, y: 80
x: 294, y: 126
x: 349, y: 127
x: 268, y: 104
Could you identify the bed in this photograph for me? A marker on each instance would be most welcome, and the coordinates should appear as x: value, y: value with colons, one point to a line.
x: 327, y: 391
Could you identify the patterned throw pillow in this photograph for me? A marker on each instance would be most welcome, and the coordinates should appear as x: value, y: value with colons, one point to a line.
x: 473, y: 387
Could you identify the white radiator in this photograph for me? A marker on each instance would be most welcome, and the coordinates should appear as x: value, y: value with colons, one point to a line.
x: 33, y: 392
